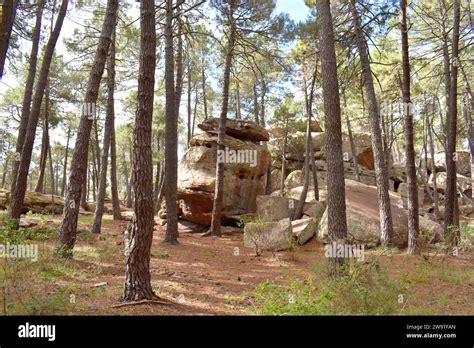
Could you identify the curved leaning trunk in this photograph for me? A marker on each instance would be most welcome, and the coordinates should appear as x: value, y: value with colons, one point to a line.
x: 109, y: 118
x: 6, y: 26
x: 381, y: 170
x: 67, y: 235
x: 18, y: 194
x: 28, y: 94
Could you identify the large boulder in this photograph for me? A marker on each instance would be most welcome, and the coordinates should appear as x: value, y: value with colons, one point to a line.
x: 278, y: 235
x: 295, y: 178
x: 239, y: 129
x: 430, y: 230
x: 276, y: 179
x: 314, y: 209
x: 362, y: 214
x: 362, y: 142
x: 463, y: 183
x: 295, y: 194
x: 397, y: 172
x: 403, y: 191
x: 363, y: 221
x: 304, y: 229
x: 463, y: 162
x: 268, y: 235
x: 274, y: 208
x: 35, y: 202
x: 245, y: 166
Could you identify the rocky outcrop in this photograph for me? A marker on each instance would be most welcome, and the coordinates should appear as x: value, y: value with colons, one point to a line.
x: 274, y: 208
x: 363, y: 216
x: 35, y: 202
x: 268, y: 235
x: 304, y: 229
x: 245, y: 166
x: 314, y: 209
x: 363, y: 221
x: 363, y: 147
x: 295, y: 178
x: 463, y: 162
x: 403, y: 191
x: 463, y: 183
x: 239, y: 129
x: 278, y: 235
x: 296, y: 149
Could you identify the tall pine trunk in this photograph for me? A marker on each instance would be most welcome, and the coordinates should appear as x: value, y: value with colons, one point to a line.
x: 336, y: 202
x: 215, y: 229
x: 171, y: 131
x: 6, y: 26
x: 381, y: 170
x: 63, y: 188
x: 412, y: 185
x: 19, y: 191
x: 137, y: 276
x: 203, y: 77
x: 126, y: 174
x: 450, y: 218
x: 109, y: 118
x: 44, y: 151
x: 113, y: 175
x: 28, y: 94
x: 67, y: 235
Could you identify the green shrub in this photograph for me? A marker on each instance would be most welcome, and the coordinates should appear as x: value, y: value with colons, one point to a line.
x: 362, y: 289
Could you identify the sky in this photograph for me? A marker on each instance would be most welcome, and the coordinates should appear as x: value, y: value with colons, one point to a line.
x: 297, y: 9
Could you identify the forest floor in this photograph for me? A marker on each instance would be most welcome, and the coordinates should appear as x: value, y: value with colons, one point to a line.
x: 207, y: 275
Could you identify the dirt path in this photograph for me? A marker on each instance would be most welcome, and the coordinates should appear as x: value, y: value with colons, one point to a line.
x: 203, y: 275
x: 208, y: 276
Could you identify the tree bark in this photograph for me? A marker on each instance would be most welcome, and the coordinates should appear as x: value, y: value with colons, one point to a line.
x: 238, y: 115
x: 450, y: 218
x: 283, y: 159
x: 203, y: 76
x: 381, y: 170
x: 109, y: 124
x: 171, y: 130
x: 188, y: 68
x: 6, y: 26
x: 51, y: 168
x: 351, y: 139
x: 309, y: 152
x: 158, y: 176
x: 469, y: 128
x: 67, y: 236
x: 63, y: 188
x: 18, y: 194
x: 96, y: 153
x: 44, y: 150
x: 128, y: 198
x: 5, y: 170
x: 412, y: 185
x: 215, y: 229
x: 113, y: 174
x: 255, y: 103
x: 27, y: 95
x: 85, y: 191
x: 137, y: 276
x: 433, y: 169
x: 336, y: 203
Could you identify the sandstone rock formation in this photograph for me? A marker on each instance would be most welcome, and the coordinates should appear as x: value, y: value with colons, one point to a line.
x: 363, y: 218
x: 246, y: 163
x: 35, y: 202
x: 463, y: 162
x: 463, y: 183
